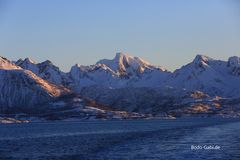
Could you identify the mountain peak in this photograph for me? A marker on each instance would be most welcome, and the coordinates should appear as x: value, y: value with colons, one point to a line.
x: 119, y: 54
x: 2, y: 59
x: 26, y: 61
x: 201, y: 60
x: 200, y: 57
x: 234, y: 61
x: 6, y: 64
x: 77, y: 65
x: 123, y: 62
x: 47, y: 62
x: 29, y: 60
x: 234, y: 65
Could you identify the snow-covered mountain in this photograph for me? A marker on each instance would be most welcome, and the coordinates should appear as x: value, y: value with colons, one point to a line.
x: 137, y: 71
x: 214, y: 77
x: 99, y: 74
x: 124, y: 83
x: 122, y: 71
x: 126, y: 65
x: 22, y: 88
x: 46, y: 70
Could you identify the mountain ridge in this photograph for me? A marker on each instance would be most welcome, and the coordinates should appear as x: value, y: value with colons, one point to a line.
x: 22, y: 88
x: 126, y: 84
x: 204, y: 73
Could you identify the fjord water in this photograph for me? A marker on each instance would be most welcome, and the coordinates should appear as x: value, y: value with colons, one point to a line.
x: 126, y: 139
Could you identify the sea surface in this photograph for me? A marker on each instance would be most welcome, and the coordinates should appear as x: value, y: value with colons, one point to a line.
x: 185, y: 138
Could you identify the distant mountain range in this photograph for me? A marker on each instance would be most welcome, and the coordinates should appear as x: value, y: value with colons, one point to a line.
x: 129, y: 84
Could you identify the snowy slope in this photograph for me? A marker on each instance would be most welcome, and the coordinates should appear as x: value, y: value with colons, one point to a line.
x: 46, y: 70
x: 120, y: 72
x: 24, y: 92
x: 214, y: 77
x: 22, y: 88
x: 99, y: 74
x: 124, y: 64
x: 124, y: 83
x: 6, y: 64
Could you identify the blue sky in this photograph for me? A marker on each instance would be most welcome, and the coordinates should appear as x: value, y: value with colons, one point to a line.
x: 165, y: 32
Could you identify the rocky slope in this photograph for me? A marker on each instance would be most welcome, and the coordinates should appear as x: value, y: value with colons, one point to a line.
x: 164, y: 101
